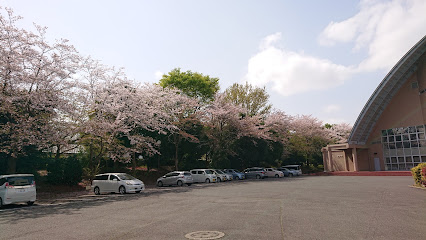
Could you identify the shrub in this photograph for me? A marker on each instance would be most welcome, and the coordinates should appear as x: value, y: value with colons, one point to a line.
x: 66, y: 171
x: 419, y: 174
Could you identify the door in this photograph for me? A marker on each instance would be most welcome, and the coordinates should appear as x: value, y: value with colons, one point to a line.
x: 173, y: 178
x: 166, y: 179
x: 377, y: 164
x: 195, y: 176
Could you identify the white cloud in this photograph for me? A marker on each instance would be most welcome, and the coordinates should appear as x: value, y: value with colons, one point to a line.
x: 158, y: 75
x: 332, y: 108
x: 387, y: 29
x: 290, y: 72
x: 336, y: 121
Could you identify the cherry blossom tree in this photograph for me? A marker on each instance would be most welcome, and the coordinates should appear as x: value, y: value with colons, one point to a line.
x: 339, y: 133
x: 36, y: 79
x: 122, y: 114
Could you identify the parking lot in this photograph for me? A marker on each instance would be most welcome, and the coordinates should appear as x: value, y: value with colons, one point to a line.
x: 306, y: 207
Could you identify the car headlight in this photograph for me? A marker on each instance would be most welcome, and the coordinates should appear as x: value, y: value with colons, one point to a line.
x: 129, y: 183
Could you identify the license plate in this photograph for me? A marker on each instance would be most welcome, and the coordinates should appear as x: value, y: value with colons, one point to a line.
x: 21, y: 190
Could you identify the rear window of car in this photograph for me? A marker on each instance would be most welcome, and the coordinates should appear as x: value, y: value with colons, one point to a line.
x: 20, y: 181
x: 187, y: 174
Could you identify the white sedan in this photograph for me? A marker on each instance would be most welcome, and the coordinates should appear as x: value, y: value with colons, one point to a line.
x: 271, y: 172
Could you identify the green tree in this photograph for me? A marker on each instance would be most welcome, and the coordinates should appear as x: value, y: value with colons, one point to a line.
x: 193, y: 84
x: 254, y: 99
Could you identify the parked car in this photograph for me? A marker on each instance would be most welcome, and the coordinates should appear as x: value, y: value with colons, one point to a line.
x: 229, y: 176
x: 175, y: 178
x: 287, y: 172
x: 271, y: 172
x: 221, y: 176
x: 255, y: 172
x: 116, y: 183
x: 296, y: 168
x: 203, y: 175
x: 235, y: 174
x: 17, y: 188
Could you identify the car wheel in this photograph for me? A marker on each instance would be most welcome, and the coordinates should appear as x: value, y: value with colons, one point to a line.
x: 258, y: 176
x: 1, y: 203
x: 208, y: 180
x: 219, y: 180
x: 290, y: 175
x: 122, y: 190
x: 277, y: 176
x: 30, y: 203
x: 180, y: 183
x: 97, y: 191
x: 160, y: 183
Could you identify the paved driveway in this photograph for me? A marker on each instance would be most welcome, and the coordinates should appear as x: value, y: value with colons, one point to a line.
x: 314, y: 207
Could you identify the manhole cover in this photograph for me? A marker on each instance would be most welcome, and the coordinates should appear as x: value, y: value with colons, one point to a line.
x: 204, y: 235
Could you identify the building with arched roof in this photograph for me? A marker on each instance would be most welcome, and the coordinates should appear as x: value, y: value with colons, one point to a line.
x: 389, y: 133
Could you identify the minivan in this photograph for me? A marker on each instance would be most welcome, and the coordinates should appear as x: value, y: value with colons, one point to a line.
x: 203, y: 175
x: 17, y: 188
x: 116, y: 183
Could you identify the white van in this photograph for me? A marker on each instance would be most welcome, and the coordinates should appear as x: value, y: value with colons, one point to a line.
x: 17, y: 188
x: 296, y: 168
x: 116, y: 183
x: 203, y: 175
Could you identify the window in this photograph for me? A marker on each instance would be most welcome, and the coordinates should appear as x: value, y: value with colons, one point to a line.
x: 194, y: 172
x: 2, y: 181
x: 20, y: 181
x: 404, y: 147
x: 112, y: 177
x: 101, y: 177
x: 200, y: 172
x: 126, y: 176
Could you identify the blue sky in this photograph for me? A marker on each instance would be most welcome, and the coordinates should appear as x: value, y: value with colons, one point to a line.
x: 323, y: 58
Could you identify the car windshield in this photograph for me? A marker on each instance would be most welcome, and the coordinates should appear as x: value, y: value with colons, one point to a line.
x: 237, y: 171
x: 219, y: 171
x: 20, y: 181
x: 126, y: 176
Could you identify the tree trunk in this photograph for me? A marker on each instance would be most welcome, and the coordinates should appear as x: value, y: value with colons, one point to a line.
x: 58, y: 153
x: 134, y: 163
x: 176, y: 138
x: 11, y: 165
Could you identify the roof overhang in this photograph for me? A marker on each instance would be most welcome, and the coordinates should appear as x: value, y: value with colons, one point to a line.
x: 380, y: 98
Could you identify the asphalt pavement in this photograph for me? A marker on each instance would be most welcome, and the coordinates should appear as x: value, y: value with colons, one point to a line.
x: 306, y: 207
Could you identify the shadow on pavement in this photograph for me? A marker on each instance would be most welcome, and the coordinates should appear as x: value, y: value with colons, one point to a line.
x: 12, y: 214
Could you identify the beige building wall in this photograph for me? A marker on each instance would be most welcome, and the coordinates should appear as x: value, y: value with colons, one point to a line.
x: 406, y: 108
